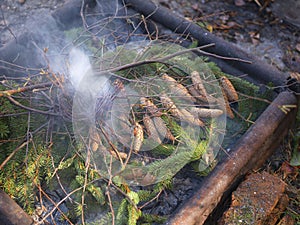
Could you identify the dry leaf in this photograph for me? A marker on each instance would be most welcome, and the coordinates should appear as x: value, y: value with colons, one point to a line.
x: 95, y: 140
x: 288, y: 170
x: 239, y: 2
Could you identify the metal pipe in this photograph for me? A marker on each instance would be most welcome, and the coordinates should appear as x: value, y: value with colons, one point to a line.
x: 11, y: 213
x: 258, y: 70
x: 251, y: 151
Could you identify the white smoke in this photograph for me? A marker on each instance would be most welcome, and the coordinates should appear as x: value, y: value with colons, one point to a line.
x: 79, y: 66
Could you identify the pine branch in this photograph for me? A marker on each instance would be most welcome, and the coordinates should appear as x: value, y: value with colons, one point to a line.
x: 26, y: 88
x: 13, y: 153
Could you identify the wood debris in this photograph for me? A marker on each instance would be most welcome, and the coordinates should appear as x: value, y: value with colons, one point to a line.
x: 260, y: 199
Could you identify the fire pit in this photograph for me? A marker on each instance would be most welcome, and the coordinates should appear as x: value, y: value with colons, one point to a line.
x: 140, y: 113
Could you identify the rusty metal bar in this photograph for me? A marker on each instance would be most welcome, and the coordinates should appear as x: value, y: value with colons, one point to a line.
x: 251, y: 151
x: 258, y: 70
x: 11, y: 213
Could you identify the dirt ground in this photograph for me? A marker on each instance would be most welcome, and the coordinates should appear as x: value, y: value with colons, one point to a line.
x: 15, y: 16
x: 271, y: 32
x: 262, y: 32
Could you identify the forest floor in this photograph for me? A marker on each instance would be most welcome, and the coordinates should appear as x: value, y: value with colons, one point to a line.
x: 271, y: 32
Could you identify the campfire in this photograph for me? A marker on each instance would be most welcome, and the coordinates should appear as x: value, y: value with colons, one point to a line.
x: 125, y: 105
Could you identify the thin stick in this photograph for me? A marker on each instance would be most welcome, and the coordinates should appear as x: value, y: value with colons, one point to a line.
x: 82, y: 14
x: 56, y: 206
x: 225, y: 58
x: 111, y: 206
x: 12, y: 114
x: 30, y: 109
x: 155, y: 60
x: 124, y: 194
x: 23, y: 89
x: 5, y: 24
x: 156, y: 197
x: 13, y: 153
x: 255, y: 98
x: 85, y: 185
x: 108, y: 193
x: 20, y: 67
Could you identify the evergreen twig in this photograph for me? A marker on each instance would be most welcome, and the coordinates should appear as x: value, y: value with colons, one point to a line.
x: 34, y: 87
x: 13, y: 153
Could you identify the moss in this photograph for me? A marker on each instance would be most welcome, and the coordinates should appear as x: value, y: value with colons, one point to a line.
x: 83, y: 39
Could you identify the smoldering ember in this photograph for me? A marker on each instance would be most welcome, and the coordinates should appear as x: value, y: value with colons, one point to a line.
x: 149, y: 112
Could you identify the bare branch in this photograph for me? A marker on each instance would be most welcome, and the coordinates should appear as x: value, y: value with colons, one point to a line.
x: 155, y: 60
x: 13, y: 153
x: 10, y: 31
x: 56, y: 206
x: 34, y: 87
x: 30, y: 109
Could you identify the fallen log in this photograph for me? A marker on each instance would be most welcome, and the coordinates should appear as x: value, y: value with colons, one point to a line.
x: 251, y: 151
x: 11, y: 213
x: 258, y: 70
